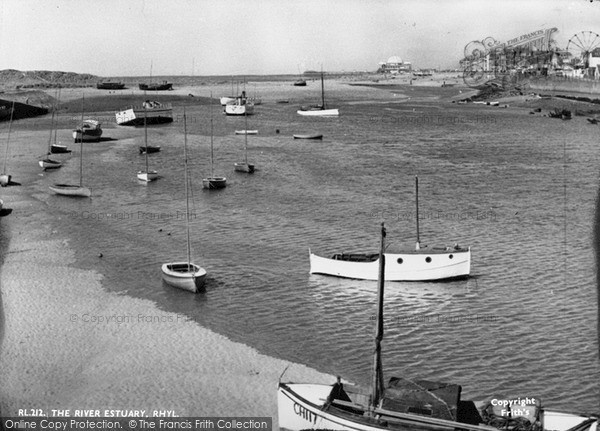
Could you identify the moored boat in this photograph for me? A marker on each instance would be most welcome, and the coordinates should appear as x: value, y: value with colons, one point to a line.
x: 146, y: 175
x: 155, y: 112
x: 185, y: 275
x: 46, y: 163
x: 246, y: 132
x: 404, y: 404
x: 59, y: 149
x: 4, y: 211
x: 108, y: 85
x: 75, y: 190
x: 300, y: 83
x: 149, y: 149
x: 308, y: 136
x: 319, y: 110
x: 92, y: 131
x: 240, y: 106
x: 244, y: 166
x: 163, y: 86
x: 71, y: 190
x: 213, y: 182
x: 423, y: 263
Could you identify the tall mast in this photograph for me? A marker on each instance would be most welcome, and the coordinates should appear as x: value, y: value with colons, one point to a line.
x: 12, y: 111
x: 246, y: 135
x: 56, y: 124
x: 52, y: 126
x: 146, y: 133
x: 211, y: 138
x: 187, y: 199
x: 377, y: 385
x: 418, y: 245
x: 322, y: 91
x: 81, y: 146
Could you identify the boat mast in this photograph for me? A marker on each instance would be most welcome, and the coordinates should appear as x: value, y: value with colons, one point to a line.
x: 52, y: 127
x: 146, y: 133
x: 12, y: 111
x: 211, y: 138
x: 81, y: 146
x: 322, y: 91
x: 56, y: 124
x: 246, y: 135
x: 377, y: 385
x: 418, y: 245
x: 187, y: 199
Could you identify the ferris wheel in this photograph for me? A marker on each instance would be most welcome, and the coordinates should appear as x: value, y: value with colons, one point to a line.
x: 580, y: 47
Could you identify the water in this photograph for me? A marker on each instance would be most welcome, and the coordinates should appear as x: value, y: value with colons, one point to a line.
x: 518, y: 188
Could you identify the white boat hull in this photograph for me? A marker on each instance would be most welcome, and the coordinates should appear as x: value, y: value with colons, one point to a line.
x: 320, y: 113
x: 246, y: 132
x: 136, y: 116
x: 192, y: 281
x: 243, y: 167
x: 49, y: 164
x: 302, y: 406
x: 71, y: 190
x: 424, y: 265
x: 214, y: 183
x: 5, y: 180
x: 147, y: 176
x: 235, y: 109
x: 225, y: 100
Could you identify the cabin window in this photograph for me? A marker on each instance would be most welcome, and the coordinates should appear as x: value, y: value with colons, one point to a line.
x: 451, y: 256
x: 428, y: 259
x: 400, y: 260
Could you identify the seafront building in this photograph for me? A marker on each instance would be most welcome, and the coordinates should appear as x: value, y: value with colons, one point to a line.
x: 395, y: 65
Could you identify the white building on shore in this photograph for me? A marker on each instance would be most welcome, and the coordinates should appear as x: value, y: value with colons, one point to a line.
x: 395, y: 65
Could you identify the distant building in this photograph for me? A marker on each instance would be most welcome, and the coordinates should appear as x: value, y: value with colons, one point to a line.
x: 394, y: 65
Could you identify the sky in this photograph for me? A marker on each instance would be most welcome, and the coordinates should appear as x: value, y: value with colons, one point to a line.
x: 246, y: 37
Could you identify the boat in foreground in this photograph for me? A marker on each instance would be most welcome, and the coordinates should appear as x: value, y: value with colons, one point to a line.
x: 185, y: 275
x: 92, y: 131
x: 404, y: 404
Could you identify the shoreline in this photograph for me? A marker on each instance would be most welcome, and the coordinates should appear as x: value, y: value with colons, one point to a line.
x: 68, y: 343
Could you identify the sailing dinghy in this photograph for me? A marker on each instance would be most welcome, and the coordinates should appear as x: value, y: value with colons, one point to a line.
x: 404, y: 405
x: 146, y: 175
x: 319, y: 110
x: 213, y: 182
x: 185, y: 275
x: 73, y: 189
x: 244, y: 166
x: 423, y: 263
x: 47, y: 163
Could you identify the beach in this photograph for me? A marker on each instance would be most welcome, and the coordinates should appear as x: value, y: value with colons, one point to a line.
x: 67, y: 343
x: 87, y: 323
